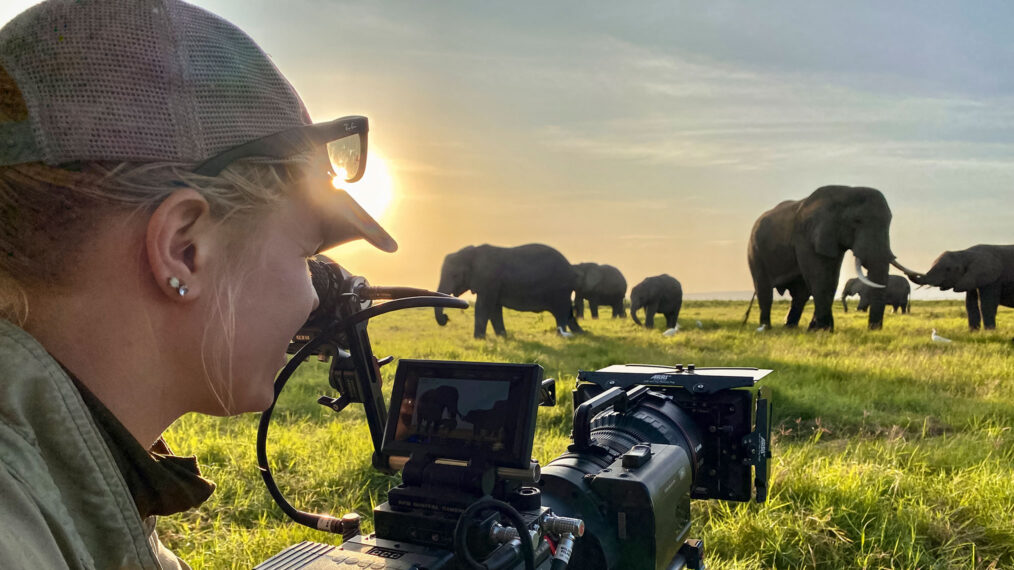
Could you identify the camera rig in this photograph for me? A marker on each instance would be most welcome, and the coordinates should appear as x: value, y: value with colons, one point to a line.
x: 646, y: 439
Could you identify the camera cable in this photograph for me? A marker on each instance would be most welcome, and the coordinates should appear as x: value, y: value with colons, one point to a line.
x: 330, y: 523
x: 461, y: 531
x: 320, y: 522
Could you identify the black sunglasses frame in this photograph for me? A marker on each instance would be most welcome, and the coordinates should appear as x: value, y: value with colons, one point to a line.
x: 293, y: 141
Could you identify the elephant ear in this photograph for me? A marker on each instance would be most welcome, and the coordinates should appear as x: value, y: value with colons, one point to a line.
x: 825, y: 238
x: 815, y: 221
x: 592, y: 277
x: 981, y: 270
x: 462, y: 264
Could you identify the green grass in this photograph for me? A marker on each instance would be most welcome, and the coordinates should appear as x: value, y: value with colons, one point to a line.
x: 890, y: 450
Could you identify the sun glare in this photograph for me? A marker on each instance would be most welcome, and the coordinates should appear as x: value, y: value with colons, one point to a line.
x: 375, y: 190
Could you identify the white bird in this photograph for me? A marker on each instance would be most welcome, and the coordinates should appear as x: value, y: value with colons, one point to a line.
x: 938, y: 338
x: 762, y: 328
x: 700, y: 325
x: 672, y: 331
x: 564, y: 333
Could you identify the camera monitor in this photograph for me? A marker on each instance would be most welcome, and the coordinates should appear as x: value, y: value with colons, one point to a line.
x: 464, y: 411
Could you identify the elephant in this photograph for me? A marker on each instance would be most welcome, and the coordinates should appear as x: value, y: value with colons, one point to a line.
x: 531, y: 277
x: 432, y: 406
x: 896, y: 295
x: 798, y: 246
x: 984, y: 273
x: 490, y: 422
x: 600, y: 285
x: 658, y: 294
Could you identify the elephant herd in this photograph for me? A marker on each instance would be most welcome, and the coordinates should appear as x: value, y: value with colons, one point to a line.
x: 798, y: 246
x: 536, y: 277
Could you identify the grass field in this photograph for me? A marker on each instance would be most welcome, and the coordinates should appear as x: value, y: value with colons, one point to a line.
x: 890, y: 450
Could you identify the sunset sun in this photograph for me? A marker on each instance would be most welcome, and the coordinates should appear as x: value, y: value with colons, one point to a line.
x: 375, y: 191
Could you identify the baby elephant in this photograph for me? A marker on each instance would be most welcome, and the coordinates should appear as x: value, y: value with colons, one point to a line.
x: 599, y: 285
x: 984, y: 273
x: 658, y: 294
x: 895, y: 295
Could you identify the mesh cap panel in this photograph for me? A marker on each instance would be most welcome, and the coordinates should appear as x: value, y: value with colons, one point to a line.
x: 142, y: 80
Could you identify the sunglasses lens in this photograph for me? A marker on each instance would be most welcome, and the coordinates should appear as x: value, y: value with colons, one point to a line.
x: 347, y: 157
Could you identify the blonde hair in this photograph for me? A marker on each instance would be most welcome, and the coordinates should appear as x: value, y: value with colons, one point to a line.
x: 47, y: 214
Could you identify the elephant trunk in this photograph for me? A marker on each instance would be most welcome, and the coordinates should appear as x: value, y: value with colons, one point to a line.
x: 442, y: 319
x: 633, y: 313
x: 914, y: 276
x: 876, y: 297
x: 444, y: 287
x: 844, y: 304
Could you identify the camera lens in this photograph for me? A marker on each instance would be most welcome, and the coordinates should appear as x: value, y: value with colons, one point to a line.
x: 626, y: 510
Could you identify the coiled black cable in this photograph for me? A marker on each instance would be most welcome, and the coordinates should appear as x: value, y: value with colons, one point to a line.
x: 461, y: 531
x: 326, y: 522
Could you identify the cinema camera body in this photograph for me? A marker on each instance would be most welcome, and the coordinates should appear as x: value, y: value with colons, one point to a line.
x: 646, y: 440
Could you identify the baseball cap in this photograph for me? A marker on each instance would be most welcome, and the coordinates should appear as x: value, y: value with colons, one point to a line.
x: 157, y: 80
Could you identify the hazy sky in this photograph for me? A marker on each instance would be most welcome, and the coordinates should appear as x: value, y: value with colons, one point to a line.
x: 650, y: 135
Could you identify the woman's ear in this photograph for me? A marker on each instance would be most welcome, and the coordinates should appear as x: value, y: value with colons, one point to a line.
x: 179, y: 239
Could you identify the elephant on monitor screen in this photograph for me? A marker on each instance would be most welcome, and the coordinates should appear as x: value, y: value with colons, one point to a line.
x: 437, y: 410
x: 491, y: 422
x: 798, y: 246
x: 896, y: 295
x: 658, y: 294
x: 984, y: 273
x: 600, y: 285
x: 531, y: 277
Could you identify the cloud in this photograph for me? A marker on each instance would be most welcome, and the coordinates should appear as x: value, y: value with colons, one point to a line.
x: 671, y: 108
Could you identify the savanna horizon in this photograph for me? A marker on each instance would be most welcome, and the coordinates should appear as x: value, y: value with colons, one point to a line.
x: 890, y: 450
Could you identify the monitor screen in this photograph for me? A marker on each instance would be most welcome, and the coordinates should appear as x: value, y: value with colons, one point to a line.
x: 464, y: 410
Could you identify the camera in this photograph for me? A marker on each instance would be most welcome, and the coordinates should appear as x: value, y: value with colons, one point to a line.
x: 646, y: 440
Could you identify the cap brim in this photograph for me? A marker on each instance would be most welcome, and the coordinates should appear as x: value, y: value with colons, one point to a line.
x: 344, y: 220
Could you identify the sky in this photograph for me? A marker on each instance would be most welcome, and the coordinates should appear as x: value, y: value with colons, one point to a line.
x: 651, y: 135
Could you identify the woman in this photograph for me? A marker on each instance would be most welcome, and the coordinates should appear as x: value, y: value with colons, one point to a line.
x: 161, y: 187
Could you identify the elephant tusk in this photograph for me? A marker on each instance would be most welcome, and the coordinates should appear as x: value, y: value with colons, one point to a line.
x: 863, y: 278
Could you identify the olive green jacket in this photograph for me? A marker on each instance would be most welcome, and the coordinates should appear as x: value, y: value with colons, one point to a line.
x: 63, y: 502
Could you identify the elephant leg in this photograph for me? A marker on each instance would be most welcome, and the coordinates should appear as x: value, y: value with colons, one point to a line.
x: 482, y: 311
x: 649, y: 315
x: 572, y: 322
x: 972, y: 308
x: 989, y: 300
x: 800, y: 294
x: 496, y: 319
x: 670, y: 320
x: 821, y: 287
x: 578, y: 306
x: 594, y: 309
x: 564, y: 315
x: 822, y: 319
x: 765, y: 296
x: 618, y: 311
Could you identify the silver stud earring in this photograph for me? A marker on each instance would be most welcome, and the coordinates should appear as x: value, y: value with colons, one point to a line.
x: 178, y: 285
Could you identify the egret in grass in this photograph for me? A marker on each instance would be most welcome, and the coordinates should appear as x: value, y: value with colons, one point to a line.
x: 938, y: 338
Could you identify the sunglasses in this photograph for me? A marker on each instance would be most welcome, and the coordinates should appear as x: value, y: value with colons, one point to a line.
x: 344, y: 139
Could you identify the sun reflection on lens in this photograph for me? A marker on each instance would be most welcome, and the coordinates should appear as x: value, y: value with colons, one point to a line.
x: 374, y: 191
